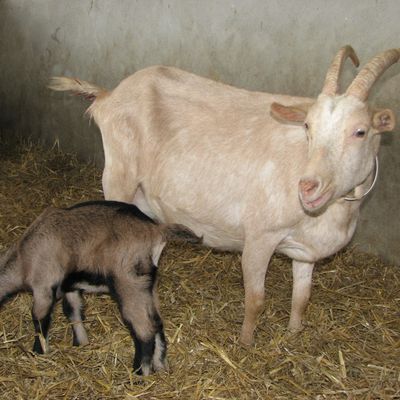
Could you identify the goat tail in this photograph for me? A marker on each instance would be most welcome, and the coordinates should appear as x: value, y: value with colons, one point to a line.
x: 85, y: 89
x: 180, y: 232
x: 11, y: 275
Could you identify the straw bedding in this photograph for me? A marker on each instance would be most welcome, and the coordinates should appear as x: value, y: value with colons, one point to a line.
x: 349, y: 349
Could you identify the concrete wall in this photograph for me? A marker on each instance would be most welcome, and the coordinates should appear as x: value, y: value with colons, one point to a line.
x: 270, y: 45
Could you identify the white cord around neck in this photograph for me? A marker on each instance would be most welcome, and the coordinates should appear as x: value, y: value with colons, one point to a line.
x: 372, y: 185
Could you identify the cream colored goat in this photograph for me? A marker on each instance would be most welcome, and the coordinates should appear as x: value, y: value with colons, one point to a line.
x: 248, y: 171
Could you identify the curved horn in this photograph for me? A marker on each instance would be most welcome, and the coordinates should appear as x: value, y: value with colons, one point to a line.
x: 332, y: 76
x: 363, y: 82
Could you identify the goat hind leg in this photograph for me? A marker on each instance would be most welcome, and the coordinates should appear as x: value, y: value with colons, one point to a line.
x: 119, y: 181
x: 43, y: 303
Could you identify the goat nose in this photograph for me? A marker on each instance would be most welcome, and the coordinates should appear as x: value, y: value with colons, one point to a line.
x: 308, y: 187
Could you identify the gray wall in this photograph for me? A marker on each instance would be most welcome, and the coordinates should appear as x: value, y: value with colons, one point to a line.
x: 270, y: 45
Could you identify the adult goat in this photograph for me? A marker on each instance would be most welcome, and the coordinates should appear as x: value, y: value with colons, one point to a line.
x: 247, y: 171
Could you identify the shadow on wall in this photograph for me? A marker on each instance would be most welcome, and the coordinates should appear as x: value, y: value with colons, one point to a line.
x: 35, y: 47
x: 268, y: 46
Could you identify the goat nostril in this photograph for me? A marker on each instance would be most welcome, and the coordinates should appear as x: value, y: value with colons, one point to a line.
x: 308, y: 187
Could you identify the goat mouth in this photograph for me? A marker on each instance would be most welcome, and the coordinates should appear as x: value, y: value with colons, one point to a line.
x: 316, y: 204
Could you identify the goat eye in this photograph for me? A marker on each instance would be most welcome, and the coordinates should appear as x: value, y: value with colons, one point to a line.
x: 359, y: 133
x: 306, y: 125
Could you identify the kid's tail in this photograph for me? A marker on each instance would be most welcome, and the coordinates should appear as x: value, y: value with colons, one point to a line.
x: 11, y: 278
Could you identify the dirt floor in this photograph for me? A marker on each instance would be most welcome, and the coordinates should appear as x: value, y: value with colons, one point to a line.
x: 349, y: 349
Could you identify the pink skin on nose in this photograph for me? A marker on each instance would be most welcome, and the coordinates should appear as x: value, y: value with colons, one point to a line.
x: 308, y: 187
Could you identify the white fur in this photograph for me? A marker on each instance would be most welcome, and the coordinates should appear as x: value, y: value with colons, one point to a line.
x: 156, y: 252
x: 74, y: 299
x: 158, y: 362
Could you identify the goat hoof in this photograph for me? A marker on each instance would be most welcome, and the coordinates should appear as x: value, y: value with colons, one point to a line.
x: 295, y: 328
x: 37, y: 348
x: 246, y: 340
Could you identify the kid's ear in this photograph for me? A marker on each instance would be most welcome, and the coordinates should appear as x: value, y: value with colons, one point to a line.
x: 384, y: 120
x: 290, y: 114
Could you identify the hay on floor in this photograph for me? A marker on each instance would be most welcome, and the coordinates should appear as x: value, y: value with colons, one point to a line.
x: 349, y: 349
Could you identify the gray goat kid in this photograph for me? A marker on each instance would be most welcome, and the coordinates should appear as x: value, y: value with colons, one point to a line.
x: 98, y: 246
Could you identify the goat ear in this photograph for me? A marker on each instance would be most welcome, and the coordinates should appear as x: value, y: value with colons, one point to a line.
x: 384, y: 120
x: 289, y: 114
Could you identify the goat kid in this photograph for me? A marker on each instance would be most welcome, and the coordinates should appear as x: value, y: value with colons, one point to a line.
x: 98, y: 246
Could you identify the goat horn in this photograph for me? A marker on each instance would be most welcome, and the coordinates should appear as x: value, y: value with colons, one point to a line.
x: 363, y: 82
x: 332, y: 76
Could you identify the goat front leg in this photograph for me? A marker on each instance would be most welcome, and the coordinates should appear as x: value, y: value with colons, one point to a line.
x: 255, y: 259
x: 302, y: 281
x: 139, y: 311
x: 43, y: 303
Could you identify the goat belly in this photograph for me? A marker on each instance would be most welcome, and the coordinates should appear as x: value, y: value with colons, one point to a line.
x: 88, y: 282
x: 214, y: 232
